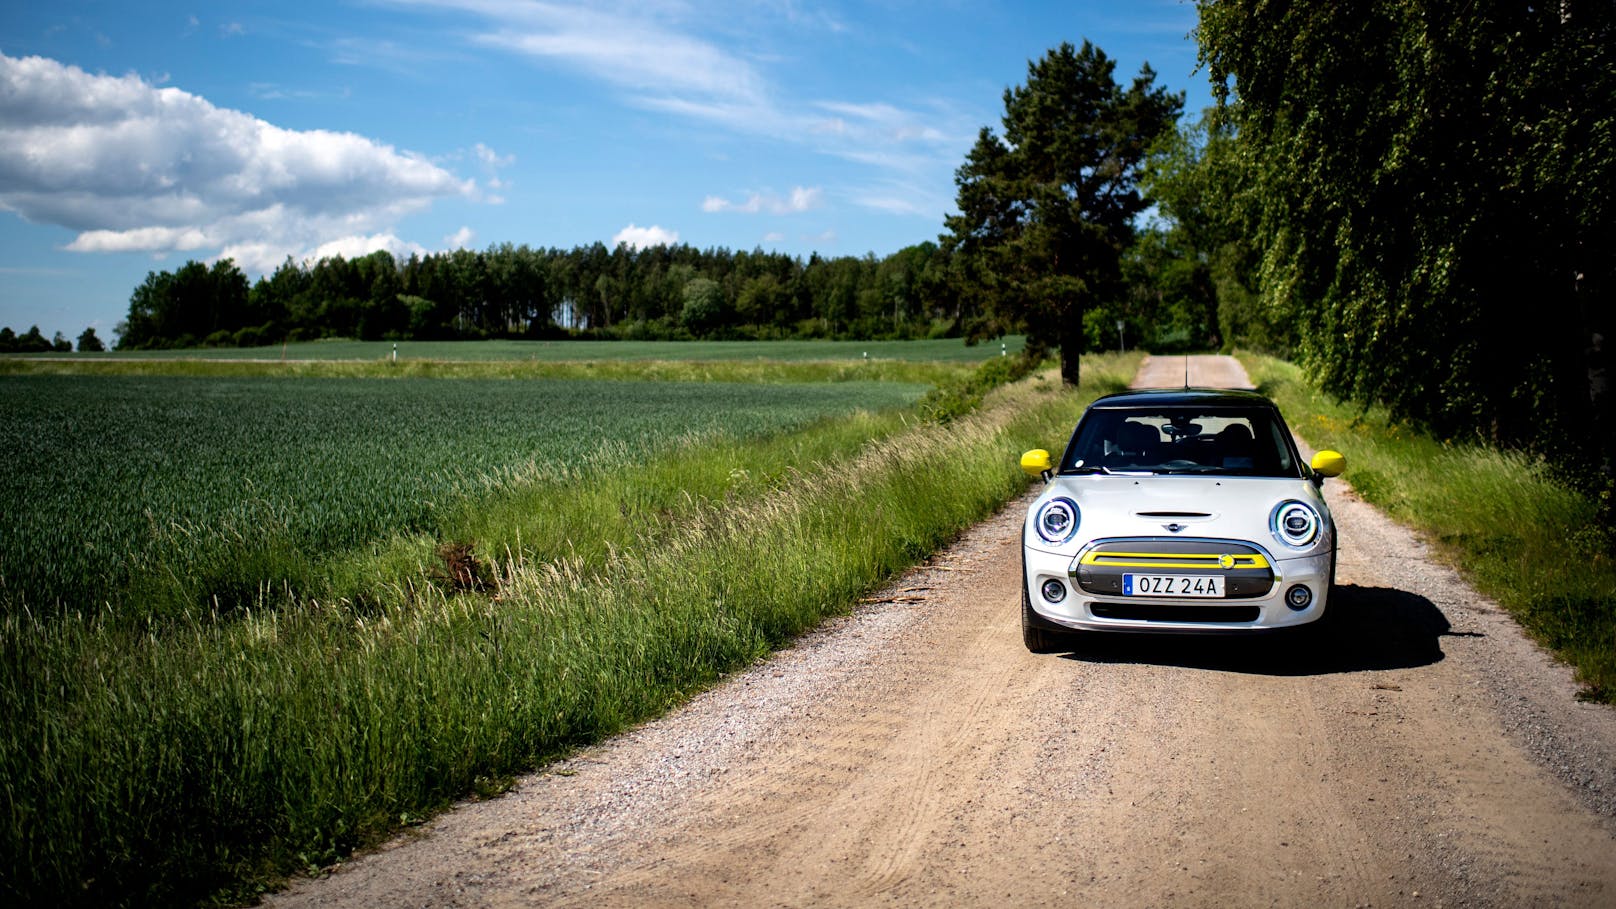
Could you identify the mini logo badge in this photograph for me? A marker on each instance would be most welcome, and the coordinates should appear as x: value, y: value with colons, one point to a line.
x: 1226, y: 562
x: 1175, y: 528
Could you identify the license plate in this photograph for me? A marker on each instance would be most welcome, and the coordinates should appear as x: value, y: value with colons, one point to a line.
x: 1172, y: 585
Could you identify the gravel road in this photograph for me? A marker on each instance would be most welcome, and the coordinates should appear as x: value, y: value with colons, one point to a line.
x: 1423, y: 752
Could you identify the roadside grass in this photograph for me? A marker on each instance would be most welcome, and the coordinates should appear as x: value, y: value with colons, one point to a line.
x: 1528, y: 542
x: 201, y: 759
x: 937, y: 350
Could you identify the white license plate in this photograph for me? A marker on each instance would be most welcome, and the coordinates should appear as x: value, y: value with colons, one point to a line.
x: 1172, y: 585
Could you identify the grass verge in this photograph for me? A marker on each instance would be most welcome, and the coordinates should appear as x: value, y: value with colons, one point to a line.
x: 201, y: 760
x: 1534, y: 546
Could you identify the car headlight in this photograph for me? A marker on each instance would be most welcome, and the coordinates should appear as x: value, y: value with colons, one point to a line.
x: 1056, y: 520
x: 1296, y: 524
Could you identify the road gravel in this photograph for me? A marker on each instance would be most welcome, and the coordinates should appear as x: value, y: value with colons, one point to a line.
x: 1418, y: 752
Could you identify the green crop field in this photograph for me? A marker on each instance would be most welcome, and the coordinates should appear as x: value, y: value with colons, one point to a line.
x: 178, y: 490
x: 951, y: 350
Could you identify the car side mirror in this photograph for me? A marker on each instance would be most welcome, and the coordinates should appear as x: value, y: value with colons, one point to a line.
x: 1329, y: 463
x: 1036, y: 463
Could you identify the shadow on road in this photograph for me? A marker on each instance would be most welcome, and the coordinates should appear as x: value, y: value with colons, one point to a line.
x: 1365, y: 628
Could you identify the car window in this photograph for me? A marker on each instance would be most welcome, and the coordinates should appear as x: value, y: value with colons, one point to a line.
x: 1225, y: 441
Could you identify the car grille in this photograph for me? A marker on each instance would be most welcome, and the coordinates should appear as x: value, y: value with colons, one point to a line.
x: 1246, y: 570
x: 1144, y: 612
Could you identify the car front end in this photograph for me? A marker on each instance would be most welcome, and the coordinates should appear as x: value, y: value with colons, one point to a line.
x: 1194, y: 533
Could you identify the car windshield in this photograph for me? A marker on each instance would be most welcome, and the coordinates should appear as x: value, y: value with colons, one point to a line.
x: 1216, y: 441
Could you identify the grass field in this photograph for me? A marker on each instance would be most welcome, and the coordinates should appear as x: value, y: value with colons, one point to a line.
x: 160, y: 493
x: 952, y: 350
x: 1538, y: 548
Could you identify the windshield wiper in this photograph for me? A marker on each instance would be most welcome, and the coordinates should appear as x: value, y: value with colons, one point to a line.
x: 1101, y: 469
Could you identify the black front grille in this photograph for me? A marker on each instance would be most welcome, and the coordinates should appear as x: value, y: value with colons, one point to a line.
x: 1144, y: 612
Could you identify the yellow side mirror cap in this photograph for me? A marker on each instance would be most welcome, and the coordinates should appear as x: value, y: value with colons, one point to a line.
x: 1329, y: 463
x: 1035, y: 462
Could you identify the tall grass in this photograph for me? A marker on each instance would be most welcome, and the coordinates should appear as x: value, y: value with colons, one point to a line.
x: 172, y: 764
x: 1534, y: 545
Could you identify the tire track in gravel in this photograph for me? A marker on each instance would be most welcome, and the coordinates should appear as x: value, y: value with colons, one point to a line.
x: 1419, y: 751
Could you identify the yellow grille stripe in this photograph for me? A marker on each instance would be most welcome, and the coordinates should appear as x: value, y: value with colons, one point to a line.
x: 1171, y: 559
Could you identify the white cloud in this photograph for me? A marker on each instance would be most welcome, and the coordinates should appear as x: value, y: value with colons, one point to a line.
x: 460, y: 239
x: 773, y: 236
x: 136, y: 168
x: 801, y: 199
x: 641, y: 237
x: 638, y: 50
x: 354, y: 247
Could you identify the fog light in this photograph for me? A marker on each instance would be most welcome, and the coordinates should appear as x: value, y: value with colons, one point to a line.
x: 1298, y: 597
x: 1054, y: 591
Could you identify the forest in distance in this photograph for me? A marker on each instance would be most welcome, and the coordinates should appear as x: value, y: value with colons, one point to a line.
x: 653, y: 293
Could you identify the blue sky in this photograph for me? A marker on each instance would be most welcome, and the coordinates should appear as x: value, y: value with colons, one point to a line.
x: 136, y: 136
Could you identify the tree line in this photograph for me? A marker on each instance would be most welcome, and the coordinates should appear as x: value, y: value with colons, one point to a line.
x: 516, y: 291
x: 32, y: 341
x: 510, y: 291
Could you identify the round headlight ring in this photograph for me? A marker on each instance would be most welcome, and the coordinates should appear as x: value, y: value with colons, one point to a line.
x: 1296, y: 524
x: 1056, y: 521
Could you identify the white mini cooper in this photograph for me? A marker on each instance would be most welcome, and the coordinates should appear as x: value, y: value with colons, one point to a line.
x: 1186, y: 510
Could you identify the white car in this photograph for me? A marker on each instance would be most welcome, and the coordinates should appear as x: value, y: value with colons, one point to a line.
x: 1185, y: 510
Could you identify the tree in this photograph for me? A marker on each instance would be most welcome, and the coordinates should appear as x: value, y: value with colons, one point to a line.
x: 704, y: 307
x: 1046, y: 212
x: 89, y: 343
x: 32, y: 341
x: 1434, y: 194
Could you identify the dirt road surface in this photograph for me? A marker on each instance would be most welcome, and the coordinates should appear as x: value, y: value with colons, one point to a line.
x: 914, y: 754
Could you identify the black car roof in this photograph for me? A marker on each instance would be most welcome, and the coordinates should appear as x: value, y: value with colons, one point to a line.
x: 1194, y: 397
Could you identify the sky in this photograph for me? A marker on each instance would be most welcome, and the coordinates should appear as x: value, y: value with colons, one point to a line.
x: 135, y: 137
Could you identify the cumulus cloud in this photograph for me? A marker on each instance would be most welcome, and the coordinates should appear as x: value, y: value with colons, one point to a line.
x: 641, y: 237
x: 356, y: 246
x: 460, y: 239
x: 801, y: 199
x: 137, y: 168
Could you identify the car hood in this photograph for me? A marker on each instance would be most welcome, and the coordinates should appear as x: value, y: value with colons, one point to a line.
x: 1219, y: 507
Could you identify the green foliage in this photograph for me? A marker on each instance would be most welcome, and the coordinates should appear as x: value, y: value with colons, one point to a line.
x: 166, y: 495
x: 954, y: 399
x: 1541, y: 549
x: 703, y: 305
x: 511, y: 291
x: 1046, y: 211
x: 89, y: 342
x: 1433, y: 188
x: 30, y: 341
x: 1202, y: 268
x: 194, y: 301
x: 165, y: 765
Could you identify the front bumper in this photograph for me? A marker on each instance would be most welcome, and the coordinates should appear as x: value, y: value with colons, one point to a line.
x: 1083, y: 610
